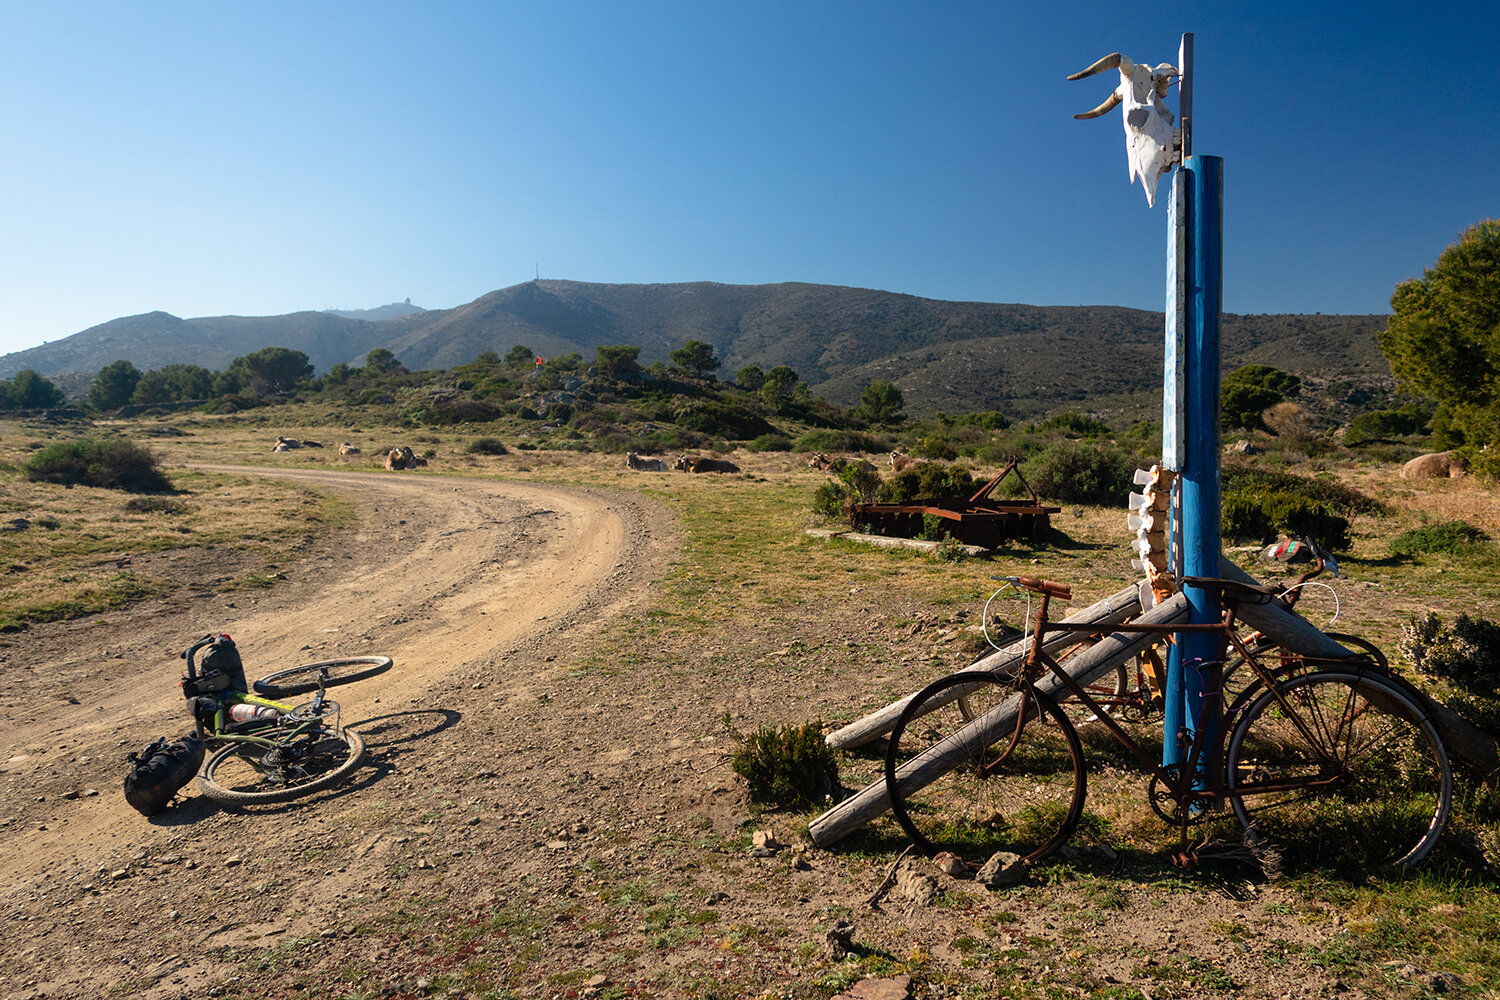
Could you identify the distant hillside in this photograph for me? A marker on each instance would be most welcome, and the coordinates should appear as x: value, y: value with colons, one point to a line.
x: 952, y: 356
x: 382, y: 312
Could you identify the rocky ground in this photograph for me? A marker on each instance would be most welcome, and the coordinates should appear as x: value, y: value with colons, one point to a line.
x: 527, y: 828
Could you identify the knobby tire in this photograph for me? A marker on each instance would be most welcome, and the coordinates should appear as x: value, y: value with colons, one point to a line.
x: 305, y: 679
x: 251, y: 774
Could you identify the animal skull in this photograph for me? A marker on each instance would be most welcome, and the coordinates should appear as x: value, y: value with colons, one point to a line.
x: 1152, y: 143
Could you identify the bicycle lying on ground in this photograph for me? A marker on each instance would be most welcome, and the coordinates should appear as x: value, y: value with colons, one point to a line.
x: 269, y: 750
x: 1336, y: 755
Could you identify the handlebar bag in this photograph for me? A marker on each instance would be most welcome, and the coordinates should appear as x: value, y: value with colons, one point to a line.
x: 222, y: 655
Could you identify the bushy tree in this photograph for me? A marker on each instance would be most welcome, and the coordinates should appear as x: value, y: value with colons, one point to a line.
x: 381, y: 361
x: 152, y: 388
x: 188, y: 381
x: 271, y: 369
x: 616, y: 359
x: 881, y: 403
x: 750, y: 378
x: 29, y: 390
x: 519, y: 356
x: 114, y: 385
x: 1250, y: 390
x: 1443, y: 339
x: 776, y: 391
x: 696, y: 358
x: 172, y: 384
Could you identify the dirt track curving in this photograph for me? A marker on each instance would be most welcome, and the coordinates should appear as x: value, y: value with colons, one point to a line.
x: 471, y: 586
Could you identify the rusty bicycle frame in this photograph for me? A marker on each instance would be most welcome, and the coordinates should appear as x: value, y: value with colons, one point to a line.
x: 1191, y: 787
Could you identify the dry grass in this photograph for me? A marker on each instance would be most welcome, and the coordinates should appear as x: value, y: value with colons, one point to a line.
x: 79, y: 550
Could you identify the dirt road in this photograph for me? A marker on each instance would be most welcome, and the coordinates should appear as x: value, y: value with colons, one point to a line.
x: 471, y: 586
x: 545, y: 812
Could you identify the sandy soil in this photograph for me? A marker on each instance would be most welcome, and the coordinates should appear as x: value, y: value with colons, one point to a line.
x: 521, y: 828
x: 474, y: 588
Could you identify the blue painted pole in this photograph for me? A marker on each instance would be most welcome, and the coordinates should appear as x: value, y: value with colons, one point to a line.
x: 1199, y: 447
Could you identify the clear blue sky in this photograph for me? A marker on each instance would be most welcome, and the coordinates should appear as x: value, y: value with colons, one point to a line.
x: 257, y: 158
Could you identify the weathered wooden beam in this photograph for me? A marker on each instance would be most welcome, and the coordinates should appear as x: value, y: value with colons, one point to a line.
x: 1110, y: 651
x: 1293, y: 631
x: 1117, y: 607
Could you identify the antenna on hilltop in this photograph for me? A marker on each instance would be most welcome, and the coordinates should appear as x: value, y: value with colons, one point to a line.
x: 539, y: 271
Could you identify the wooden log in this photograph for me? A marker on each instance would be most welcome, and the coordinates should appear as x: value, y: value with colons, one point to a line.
x: 1116, y: 648
x: 1293, y: 631
x: 1117, y: 607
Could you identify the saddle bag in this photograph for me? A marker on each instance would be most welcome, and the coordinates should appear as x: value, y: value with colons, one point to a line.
x: 159, y: 771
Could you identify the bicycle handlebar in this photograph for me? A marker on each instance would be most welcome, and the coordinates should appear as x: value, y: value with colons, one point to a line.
x: 191, y: 651
x: 1059, y: 590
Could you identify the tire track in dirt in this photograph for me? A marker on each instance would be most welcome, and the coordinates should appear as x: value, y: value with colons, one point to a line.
x: 464, y: 582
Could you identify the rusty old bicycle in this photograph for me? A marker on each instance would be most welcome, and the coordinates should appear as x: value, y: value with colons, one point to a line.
x: 1336, y: 756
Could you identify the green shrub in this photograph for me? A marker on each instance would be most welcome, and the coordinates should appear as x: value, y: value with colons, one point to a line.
x: 1262, y: 514
x: 1073, y: 425
x: 1081, y: 472
x: 854, y: 484
x: 1468, y: 654
x: 988, y: 420
x: 832, y: 441
x: 724, y: 420
x: 1452, y: 538
x: 1383, y: 425
x: 110, y: 463
x: 487, y: 446
x: 927, y: 482
x: 1329, y: 492
x: 938, y: 447
x: 771, y: 442
x: 792, y: 767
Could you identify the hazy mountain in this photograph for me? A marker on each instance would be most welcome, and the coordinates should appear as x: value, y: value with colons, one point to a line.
x: 382, y: 312
x: 953, y: 356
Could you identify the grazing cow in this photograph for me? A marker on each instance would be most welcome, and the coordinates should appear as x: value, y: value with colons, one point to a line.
x: 836, y: 465
x: 1437, y: 465
x: 348, y: 449
x: 688, y: 463
x: 639, y: 464
x: 901, y: 461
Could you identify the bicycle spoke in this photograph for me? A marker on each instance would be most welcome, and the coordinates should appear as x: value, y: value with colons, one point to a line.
x: 1016, y: 789
x: 1341, y: 767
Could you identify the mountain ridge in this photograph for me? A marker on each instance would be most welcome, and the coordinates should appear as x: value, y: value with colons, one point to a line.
x: 952, y: 356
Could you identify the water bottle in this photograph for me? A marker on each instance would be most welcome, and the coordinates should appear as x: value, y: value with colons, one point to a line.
x: 243, y: 712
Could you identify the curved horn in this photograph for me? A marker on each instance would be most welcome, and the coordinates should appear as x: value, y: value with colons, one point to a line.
x: 1111, y: 61
x: 1110, y: 103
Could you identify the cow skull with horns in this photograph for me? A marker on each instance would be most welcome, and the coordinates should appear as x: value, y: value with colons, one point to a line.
x: 1152, y: 143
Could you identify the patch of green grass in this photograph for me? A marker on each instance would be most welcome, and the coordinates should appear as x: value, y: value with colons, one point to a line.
x: 1454, y: 538
x: 105, y: 593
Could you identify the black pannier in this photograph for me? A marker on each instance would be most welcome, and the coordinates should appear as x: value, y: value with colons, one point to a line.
x: 157, y: 772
